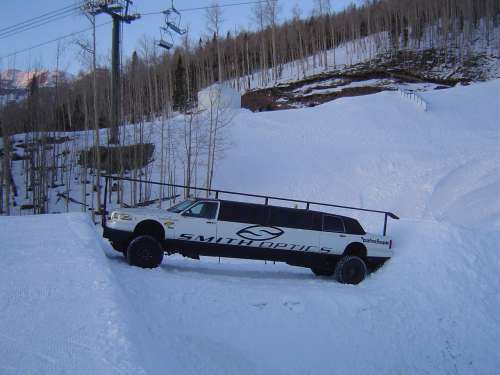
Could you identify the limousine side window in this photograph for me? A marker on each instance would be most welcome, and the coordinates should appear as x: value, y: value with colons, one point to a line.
x: 244, y: 213
x: 204, y: 210
x: 291, y: 218
x: 333, y: 224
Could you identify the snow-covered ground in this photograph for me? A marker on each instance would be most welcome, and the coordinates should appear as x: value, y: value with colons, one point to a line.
x: 70, y: 304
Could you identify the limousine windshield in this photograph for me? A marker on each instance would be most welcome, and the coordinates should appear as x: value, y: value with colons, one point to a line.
x: 179, y: 207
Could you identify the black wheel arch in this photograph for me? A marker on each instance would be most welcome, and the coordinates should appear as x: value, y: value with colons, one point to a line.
x: 150, y: 228
x: 356, y: 249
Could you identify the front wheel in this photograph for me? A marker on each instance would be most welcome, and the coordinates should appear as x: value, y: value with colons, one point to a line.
x: 350, y: 270
x: 144, y: 252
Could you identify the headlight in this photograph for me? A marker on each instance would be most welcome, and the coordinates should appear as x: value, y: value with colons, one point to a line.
x: 120, y: 216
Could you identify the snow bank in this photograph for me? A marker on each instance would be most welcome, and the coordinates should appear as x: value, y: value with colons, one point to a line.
x: 219, y: 97
x: 379, y: 152
x: 60, y: 306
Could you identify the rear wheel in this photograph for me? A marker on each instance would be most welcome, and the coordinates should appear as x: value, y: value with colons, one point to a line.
x: 145, y: 252
x: 350, y: 270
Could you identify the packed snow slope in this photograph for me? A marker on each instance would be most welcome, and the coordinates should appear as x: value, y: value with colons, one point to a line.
x: 65, y: 307
x: 379, y: 151
x: 69, y: 303
x: 61, y: 307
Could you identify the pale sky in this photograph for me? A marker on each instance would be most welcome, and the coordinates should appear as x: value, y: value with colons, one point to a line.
x: 13, y: 12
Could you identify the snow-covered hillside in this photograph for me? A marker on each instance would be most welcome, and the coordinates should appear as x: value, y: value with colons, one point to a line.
x: 433, y: 308
x: 379, y: 151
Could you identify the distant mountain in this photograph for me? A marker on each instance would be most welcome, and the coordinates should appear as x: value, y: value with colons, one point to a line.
x: 19, y: 79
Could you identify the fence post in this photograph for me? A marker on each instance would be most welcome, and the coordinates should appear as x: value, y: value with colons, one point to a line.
x: 104, y: 207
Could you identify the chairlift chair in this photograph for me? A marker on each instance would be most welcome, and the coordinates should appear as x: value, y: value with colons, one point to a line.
x: 173, y: 20
x: 172, y: 24
x: 163, y: 42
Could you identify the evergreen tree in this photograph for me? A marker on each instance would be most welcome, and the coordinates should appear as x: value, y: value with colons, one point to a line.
x: 180, y: 91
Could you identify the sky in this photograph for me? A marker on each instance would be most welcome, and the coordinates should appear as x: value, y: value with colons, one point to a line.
x: 71, y: 57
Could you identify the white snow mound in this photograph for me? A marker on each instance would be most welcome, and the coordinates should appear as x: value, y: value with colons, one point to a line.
x: 60, y: 310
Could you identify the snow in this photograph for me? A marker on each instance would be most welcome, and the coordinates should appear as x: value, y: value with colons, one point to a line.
x: 380, y: 152
x: 70, y: 304
x: 433, y: 308
x: 218, y: 96
x: 60, y: 308
x: 272, y: 318
x: 346, y: 55
x: 338, y: 84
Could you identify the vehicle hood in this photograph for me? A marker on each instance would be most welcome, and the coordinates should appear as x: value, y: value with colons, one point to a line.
x: 148, y: 212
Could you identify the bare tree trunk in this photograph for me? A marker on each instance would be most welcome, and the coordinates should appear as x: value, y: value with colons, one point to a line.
x: 2, y: 179
x: 97, y: 138
x: 6, y: 169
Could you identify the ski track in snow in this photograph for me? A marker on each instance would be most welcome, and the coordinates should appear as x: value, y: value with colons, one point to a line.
x: 70, y: 304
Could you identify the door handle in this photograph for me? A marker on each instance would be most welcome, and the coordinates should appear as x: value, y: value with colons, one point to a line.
x: 210, y: 222
x: 341, y: 235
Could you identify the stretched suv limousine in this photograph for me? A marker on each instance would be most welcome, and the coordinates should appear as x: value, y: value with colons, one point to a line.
x: 328, y: 244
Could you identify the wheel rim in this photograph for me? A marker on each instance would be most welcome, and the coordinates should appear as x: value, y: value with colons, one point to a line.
x: 353, y: 272
x: 145, y: 255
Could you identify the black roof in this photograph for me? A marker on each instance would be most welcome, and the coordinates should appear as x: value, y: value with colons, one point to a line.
x: 270, y: 205
x: 196, y: 199
x: 352, y: 225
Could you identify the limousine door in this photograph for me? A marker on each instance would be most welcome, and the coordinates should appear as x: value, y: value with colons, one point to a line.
x: 333, y: 236
x: 198, y: 223
x: 299, y: 232
x: 272, y: 230
x: 244, y: 224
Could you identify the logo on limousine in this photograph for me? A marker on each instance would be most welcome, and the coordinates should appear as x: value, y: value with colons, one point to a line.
x: 260, y: 233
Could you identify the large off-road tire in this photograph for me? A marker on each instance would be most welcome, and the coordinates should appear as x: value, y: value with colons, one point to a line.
x: 323, y: 271
x: 145, y: 252
x: 350, y: 270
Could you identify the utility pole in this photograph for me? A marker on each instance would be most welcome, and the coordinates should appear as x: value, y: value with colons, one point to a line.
x: 118, y: 10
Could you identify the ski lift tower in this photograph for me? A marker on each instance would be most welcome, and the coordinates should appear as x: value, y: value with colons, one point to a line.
x: 119, y: 12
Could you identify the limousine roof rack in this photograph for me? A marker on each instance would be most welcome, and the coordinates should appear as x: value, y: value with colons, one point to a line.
x: 218, y: 193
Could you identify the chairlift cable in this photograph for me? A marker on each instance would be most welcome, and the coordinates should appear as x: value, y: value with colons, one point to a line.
x: 28, y: 27
x: 39, y: 18
x: 107, y: 23
x: 208, y: 7
x: 54, y: 40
